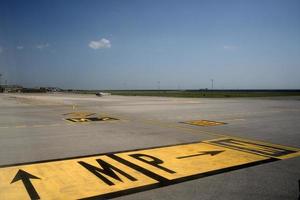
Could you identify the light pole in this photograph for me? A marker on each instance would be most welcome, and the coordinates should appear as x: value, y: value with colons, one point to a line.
x: 212, y: 83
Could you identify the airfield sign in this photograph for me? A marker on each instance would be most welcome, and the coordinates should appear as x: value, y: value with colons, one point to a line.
x: 115, y: 174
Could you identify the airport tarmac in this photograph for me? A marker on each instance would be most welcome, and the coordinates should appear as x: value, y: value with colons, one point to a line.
x: 72, y: 146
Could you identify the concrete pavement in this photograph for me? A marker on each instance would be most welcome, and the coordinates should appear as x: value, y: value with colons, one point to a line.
x: 33, y: 128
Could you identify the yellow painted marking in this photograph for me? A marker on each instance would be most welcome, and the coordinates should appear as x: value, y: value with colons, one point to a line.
x: 260, y: 148
x: 68, y: 180
x: 184, y: 128
x: 102, y: 175
x: 77, y: 120
x: 204, y: 123
x: 78, y: 114
x: 90, y: 119
x: 191, y: 165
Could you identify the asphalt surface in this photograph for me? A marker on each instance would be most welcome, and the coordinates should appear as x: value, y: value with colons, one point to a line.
x: 33, y: 128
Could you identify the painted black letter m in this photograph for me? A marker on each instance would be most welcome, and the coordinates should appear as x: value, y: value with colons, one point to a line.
x: 106, y: 169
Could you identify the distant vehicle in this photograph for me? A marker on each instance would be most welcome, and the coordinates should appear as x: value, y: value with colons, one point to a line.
x: 100, y: 94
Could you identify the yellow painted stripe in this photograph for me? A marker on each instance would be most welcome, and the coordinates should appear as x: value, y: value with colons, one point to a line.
x: 115, y: 174
x: 204, y: 123
x: 257, y: 147
x: 79, y: 114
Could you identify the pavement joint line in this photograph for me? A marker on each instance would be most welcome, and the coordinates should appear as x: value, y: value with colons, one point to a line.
x: 247, y: 113
x: 55, y: 124
x: 31, y: 126
x: 38, y: 125
x: 21, y: 126
x: 229, y: 120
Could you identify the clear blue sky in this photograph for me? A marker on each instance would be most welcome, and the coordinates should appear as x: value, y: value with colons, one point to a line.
x: 134, y: 44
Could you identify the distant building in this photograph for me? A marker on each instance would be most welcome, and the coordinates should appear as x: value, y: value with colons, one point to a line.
x: 10, y: 88
x: 51, y: 89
